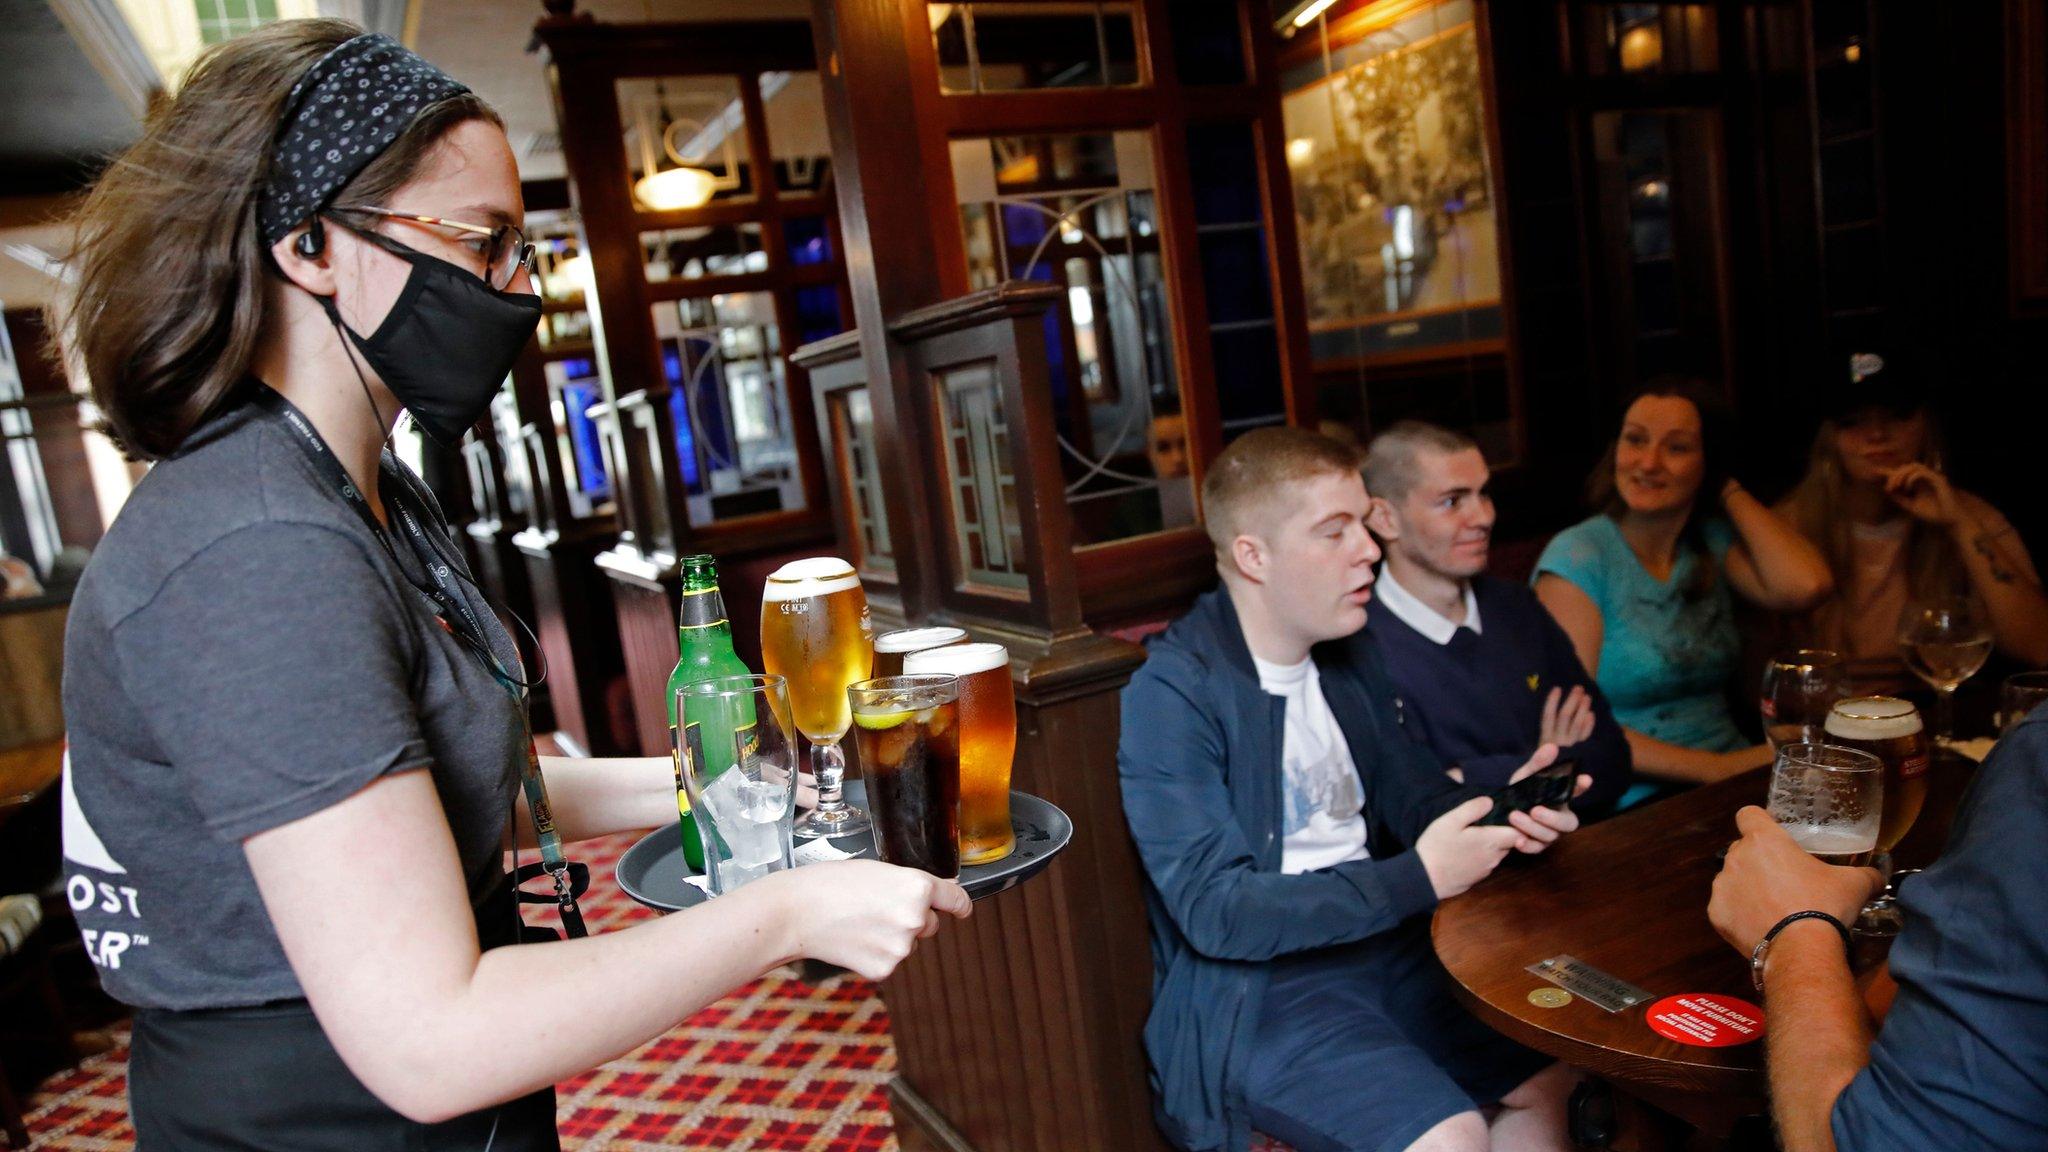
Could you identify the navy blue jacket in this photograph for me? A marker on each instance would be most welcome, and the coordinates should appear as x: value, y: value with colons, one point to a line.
x: 1199, y: 759
x: 1478, y: 701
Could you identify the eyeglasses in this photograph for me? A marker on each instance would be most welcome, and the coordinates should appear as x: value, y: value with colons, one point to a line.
x: 503, y: 249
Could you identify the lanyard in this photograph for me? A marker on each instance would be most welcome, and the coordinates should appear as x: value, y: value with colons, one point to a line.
x: 459, y: 619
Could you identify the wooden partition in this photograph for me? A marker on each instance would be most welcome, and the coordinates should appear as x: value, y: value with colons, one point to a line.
x: 706, y: 433
x: 1019, y: 1029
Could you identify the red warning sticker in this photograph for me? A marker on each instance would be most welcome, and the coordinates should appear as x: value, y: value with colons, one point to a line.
x: 1706, y: 1021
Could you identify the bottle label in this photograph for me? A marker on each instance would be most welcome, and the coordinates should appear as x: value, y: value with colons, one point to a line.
x: 702, y: 608
x: 675, y: 755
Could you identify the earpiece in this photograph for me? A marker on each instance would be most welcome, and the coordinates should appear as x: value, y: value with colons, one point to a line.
x: 312, y: 241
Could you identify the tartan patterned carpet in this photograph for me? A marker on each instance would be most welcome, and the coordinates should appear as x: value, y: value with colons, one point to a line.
x: 778, y: 1066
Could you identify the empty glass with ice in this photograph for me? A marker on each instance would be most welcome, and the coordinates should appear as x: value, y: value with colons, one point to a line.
x: 736, y: 745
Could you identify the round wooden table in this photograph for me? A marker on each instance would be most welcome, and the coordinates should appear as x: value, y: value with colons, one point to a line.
x: 1629, y: 897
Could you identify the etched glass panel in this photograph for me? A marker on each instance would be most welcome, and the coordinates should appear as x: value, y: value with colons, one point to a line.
x: 686, y: 141
x: 853, y: 432
x: 988, y: 536
x: 729, y: 400
x: 1079, y: 211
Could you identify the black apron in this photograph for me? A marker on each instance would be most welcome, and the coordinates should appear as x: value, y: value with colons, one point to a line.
x: 266, y: 1078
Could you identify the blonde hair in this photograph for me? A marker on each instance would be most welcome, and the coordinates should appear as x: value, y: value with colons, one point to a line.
x: 1816, y: 508
x: 1250, y: 473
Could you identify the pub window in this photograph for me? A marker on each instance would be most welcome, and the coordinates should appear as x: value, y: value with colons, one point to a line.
x: 1005, y: 47
x: 1080, y: 210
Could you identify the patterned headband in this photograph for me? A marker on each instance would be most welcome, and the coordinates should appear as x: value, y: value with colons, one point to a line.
x: 346, y: 110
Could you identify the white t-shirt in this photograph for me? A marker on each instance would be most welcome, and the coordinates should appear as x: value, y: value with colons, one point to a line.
x: 1322, y: 822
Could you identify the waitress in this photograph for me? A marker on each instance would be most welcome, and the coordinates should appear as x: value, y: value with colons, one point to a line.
x: 298, y: 735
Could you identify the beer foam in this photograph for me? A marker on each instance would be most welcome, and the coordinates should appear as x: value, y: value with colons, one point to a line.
x: 803, y: 579
x: 1873, y: 718
x: 918, y: 639
x: 957, y: 659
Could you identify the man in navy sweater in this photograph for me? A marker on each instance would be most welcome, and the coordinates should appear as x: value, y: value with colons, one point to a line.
x: 1294, y: 840
x: 1485, y: 675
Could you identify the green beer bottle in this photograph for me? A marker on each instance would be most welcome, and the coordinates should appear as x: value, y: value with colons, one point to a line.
x: 705, y: 641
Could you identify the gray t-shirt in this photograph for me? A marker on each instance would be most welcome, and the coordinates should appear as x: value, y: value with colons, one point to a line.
x: 242, y: 653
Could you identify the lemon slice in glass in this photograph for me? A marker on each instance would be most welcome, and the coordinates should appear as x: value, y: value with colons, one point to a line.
x: 881, y: 721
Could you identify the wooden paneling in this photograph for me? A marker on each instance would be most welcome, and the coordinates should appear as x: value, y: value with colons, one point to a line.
x: 573, y: 618
x: 1020, y: 1029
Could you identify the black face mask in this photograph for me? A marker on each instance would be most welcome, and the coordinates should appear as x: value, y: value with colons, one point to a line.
x: 447, y: 344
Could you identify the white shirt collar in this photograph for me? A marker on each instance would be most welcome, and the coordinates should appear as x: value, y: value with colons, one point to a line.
x: 1419, y: 616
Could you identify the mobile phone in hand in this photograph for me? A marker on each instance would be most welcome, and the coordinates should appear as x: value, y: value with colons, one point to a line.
x: 1545, y: 788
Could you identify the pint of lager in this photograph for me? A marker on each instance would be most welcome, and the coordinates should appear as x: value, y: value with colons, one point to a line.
x: 988, y: 740
x: 1889, y: 729
x: 815, y: 633
x: 892, y: 647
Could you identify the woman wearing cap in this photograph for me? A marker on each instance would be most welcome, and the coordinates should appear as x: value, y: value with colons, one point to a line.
x: 298, y: 737
x: 1876, y: 502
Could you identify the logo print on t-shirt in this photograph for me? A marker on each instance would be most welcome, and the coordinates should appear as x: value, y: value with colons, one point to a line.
x: 1534, y: 679
x: 95, y: 901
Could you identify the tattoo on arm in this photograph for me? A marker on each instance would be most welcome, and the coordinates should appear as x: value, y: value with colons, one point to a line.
x: 1999, y: 571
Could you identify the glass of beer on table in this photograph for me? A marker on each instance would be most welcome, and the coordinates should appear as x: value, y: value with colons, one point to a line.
x: 1888, y: 728
x: 988, y: 741
x: 908, y: 731
x: 1799, y: 689
x: 815, y: 633
x: 892, y: 647
x: 1830, y: 799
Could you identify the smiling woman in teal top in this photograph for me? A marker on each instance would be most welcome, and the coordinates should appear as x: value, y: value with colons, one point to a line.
x: 1645, y: 587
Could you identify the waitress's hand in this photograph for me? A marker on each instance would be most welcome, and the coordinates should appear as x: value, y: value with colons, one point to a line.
x: 864, y: 915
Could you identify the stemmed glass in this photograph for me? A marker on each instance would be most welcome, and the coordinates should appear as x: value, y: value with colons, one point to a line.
x: 1945, y: 641
x: 1799, y: 689
x: 815, y: 632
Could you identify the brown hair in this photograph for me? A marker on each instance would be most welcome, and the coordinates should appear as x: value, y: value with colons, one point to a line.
x: 1602, y: 495
x: 1390, y: 460
x: 169, y: 302
x: 1253, y: 469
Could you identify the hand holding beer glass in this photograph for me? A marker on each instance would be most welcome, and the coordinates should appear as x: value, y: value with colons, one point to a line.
x: 1830, y: 800
x: 815, y: 633
x: 1799, y: 689
x: 988, y: 742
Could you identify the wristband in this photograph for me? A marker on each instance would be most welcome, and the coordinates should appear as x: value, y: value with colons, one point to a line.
x: 1762, y: 951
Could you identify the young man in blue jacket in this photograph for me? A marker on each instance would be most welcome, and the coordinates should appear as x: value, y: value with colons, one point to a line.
x: 1293, y: 838
x: 1485, y: 675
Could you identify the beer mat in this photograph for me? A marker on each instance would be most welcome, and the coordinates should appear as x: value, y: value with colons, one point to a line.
x: 1706, y: 1021
x: 654, y: 872
x: 1589, y: 983
x: 820, y: 851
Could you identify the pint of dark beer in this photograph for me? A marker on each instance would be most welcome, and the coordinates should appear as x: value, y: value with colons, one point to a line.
x: 1888, y: 728
x: 988, y: 741
x: 892, y: 647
